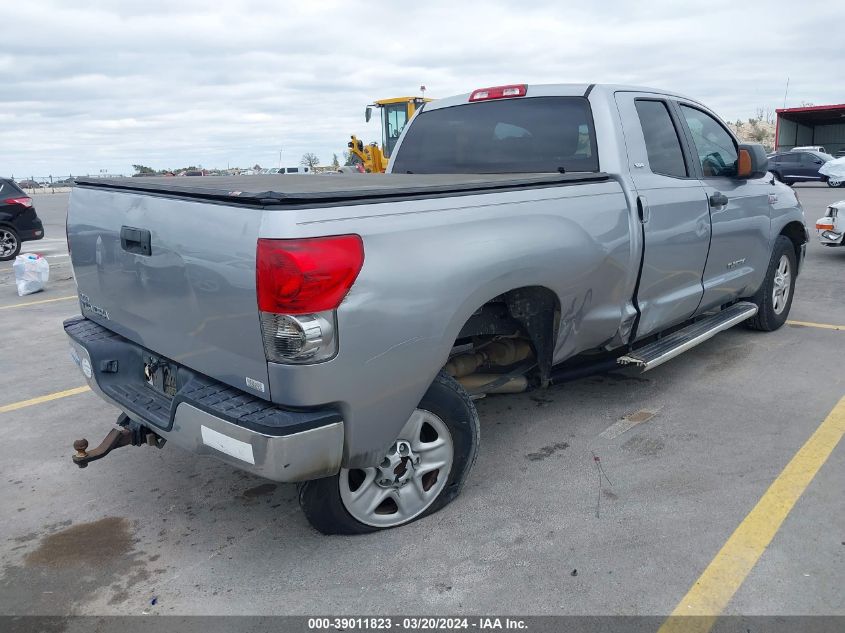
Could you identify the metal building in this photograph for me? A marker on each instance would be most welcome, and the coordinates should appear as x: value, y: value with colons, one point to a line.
x: 811, y: 125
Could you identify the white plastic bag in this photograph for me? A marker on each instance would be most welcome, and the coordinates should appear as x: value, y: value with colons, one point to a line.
x: 31, y: 273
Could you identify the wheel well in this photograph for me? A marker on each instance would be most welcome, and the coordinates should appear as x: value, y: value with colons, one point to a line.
x: 532, y: 311
x: 797, y: 233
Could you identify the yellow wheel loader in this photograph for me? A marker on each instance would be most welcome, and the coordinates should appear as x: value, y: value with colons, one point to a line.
x: 395, y: 113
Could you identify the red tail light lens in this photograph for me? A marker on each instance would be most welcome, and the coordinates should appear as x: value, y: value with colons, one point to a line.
x: 23, y: 201
x: 499, y: 92
x: 308, y: 275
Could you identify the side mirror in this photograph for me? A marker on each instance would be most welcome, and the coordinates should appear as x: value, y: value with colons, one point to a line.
x: 368, y: 114
x: 751, y: 161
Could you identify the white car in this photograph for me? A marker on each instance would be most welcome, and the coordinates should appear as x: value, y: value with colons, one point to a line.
x: 831, y: 227
x: 834, y: 171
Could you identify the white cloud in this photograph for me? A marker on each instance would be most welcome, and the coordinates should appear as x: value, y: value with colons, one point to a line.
x: 90, y: 86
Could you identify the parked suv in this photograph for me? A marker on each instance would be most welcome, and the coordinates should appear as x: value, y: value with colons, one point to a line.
x: 18, y: 220
x: 798, y: 166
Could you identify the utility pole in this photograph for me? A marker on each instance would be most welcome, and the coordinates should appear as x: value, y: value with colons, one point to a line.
x: 280, y: 158
x: 786, y: 92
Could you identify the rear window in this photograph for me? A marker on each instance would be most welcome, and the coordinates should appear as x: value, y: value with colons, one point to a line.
x: 533, y: 135
x: 7, y: 186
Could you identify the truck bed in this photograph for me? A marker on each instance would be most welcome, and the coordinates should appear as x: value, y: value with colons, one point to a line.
x: 334, y: 189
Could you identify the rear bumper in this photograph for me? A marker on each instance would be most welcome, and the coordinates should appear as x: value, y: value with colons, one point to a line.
x: 208, y: 417
x: 31, y: 234
x: 29, y: 226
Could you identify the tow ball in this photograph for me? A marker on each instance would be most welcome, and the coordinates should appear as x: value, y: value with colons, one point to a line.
x: 130, y: 433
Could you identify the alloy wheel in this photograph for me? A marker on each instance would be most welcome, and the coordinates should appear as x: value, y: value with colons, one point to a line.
x: 8, y: 243
x: 782, y: 285
x: 409, y: 478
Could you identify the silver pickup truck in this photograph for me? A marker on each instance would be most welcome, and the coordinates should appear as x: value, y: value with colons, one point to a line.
x: 335, y: 330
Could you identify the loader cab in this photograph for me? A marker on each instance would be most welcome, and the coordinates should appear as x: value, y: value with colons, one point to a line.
x: 395, y: 113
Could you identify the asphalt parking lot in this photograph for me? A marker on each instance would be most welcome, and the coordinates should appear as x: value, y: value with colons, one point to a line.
x: 536, y: 530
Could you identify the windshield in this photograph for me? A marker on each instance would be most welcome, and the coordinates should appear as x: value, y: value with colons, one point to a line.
x: 394, y: 118
x: 529, y: 135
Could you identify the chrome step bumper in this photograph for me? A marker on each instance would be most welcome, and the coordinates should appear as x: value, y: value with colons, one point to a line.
x: 656, y: 353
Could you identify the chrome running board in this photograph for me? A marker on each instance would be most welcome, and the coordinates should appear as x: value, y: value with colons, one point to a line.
x: 656, y: 353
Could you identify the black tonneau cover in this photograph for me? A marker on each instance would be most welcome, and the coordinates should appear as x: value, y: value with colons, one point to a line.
x: 285, y: 190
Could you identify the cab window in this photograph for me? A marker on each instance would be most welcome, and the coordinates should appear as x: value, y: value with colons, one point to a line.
x: 716, y: 149
x: 661, y: 139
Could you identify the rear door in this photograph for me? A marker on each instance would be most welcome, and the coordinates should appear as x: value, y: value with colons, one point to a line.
x: 673, y: 212
x: 790, y: 167
x: 739, y: 211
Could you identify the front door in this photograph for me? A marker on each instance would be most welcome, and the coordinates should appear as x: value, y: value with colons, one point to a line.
x: 808, y: 166
x: 739, y: 212
x: 673, y: 211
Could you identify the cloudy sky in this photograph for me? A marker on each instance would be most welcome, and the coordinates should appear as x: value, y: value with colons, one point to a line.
x: 90, y: 86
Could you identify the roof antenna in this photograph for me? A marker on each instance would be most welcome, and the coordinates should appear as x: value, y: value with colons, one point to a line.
x: 786, y: 92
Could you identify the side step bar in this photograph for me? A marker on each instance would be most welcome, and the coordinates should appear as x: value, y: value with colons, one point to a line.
x: 656, y: 353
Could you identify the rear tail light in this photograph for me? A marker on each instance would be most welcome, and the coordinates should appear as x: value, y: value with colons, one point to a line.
x: 24, y: 201
x: 499, y: 92
x: 309, y: 275
x: 300, y: 283
x: 303, y: 338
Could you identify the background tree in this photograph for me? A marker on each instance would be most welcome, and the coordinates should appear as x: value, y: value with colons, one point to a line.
x: 310, y: 160
x: 335, y: 162
x: 143, y: 169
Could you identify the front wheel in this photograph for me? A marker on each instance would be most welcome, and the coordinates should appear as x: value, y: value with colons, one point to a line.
x: 835, y: 182
x: 774, y: 298
x: 423, y: 470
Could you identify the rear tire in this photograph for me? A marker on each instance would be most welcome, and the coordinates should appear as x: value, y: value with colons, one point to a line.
x: 774, y: 298
x: 10, y: 243
x: 408, y: 484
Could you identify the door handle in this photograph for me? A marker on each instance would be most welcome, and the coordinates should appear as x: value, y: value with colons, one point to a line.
x: 642, y: 209
x: 134, y: 240
x: 718, y: 199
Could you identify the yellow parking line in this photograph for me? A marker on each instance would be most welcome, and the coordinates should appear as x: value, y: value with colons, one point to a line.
x: 714, y: 589
x: 824, y: 326
x: 50, y: 396
x: 33, y: 303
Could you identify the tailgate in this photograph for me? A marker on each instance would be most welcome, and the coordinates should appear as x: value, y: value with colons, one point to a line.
x: 174, y: 276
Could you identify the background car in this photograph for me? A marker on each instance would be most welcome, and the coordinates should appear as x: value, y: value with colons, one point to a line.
x: 809, y: 148
x: 18, y: 220
x: 799, y: 166
x: 831, y: 227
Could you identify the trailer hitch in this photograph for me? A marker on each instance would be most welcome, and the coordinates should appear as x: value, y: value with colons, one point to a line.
x: 130, y: 433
